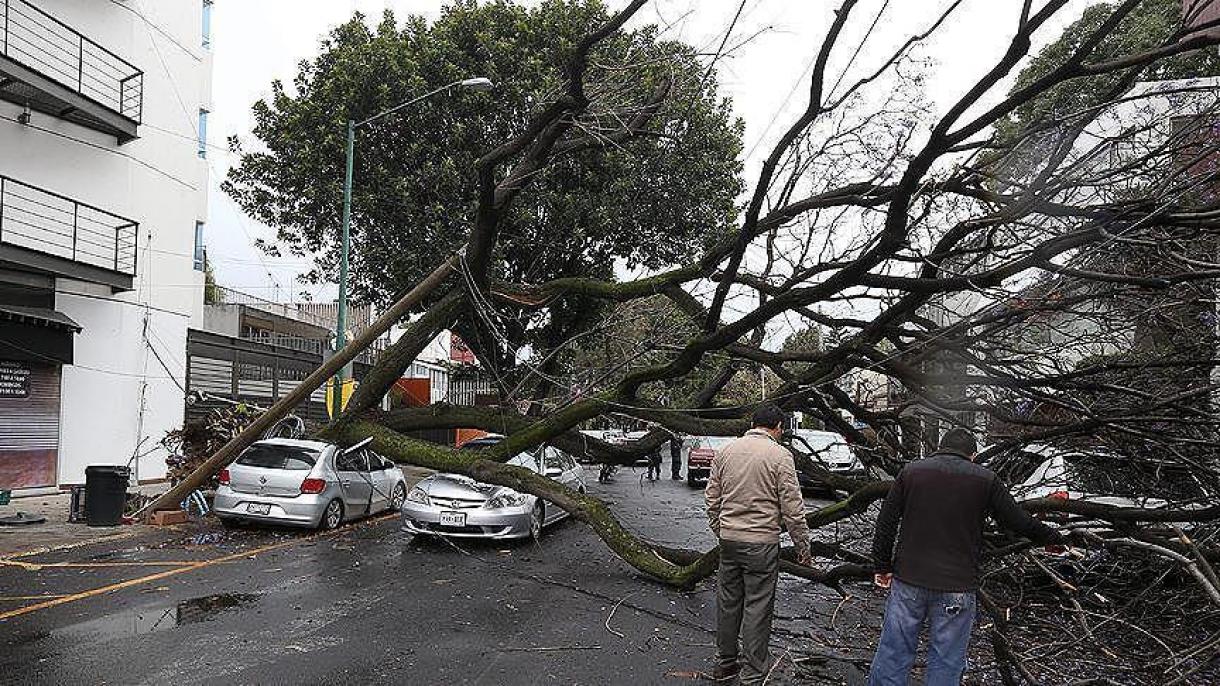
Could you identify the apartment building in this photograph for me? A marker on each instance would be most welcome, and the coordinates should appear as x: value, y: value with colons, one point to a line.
x: 103, y: 201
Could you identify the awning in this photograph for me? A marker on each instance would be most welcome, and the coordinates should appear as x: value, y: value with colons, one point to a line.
x: 36, y: 334
x: 38, y: 316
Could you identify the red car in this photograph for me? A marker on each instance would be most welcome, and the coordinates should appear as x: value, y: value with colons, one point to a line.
x: 699, y: 461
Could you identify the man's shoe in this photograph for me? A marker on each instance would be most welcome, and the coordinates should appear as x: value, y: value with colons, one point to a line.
x: 725, y: 672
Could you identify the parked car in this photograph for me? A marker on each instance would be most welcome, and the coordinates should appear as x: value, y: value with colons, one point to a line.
x: 1099, y: 475
x: 307, y: 483
x: 453, y: 505
x: 829, y: 449
x: 633, y: 436
x: 699, y: 460
x: 613, y: 436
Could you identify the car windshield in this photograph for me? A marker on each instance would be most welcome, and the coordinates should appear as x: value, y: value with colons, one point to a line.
x: 821, y: 443
x: 279, y: 457
x: 479, y: 443
x: 525, y: 460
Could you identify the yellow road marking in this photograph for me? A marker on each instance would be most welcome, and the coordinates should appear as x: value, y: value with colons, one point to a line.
x: 70, y: 546
x: 73, y: 597
x: 35, y: 566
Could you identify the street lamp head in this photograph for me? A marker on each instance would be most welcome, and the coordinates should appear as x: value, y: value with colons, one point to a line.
x: 478, y: 83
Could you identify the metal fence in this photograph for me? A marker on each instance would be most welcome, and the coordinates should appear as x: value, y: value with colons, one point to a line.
x: 42, y: 221
x: 50, y: 47
x: 221, y: 366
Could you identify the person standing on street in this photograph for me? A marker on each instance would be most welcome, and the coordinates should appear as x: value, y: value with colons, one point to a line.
x: 654, y: 464
x: 675, y: 457
x: 751, y: 492
x: 942, y: 502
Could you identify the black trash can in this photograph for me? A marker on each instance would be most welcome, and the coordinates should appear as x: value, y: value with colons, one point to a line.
x: 105, y: 494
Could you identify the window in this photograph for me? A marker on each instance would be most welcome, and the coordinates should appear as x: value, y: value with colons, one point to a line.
x: 552, y: 459
x: 207, y: 23
x: 201, y: 257
x: 352, y: 462
x: 203, y: 133
x: 278, y: 457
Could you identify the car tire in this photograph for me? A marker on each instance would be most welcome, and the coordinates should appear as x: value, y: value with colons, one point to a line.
x: 332, y: 516
x: 231, y: 522
x: 537, y: 517
x: 692, y: 481
x: 397, y: 497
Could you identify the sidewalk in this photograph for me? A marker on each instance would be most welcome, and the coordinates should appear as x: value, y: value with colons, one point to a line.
x: 57, y: 532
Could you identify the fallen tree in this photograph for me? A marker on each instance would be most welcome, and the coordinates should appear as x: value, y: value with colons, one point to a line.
x: 1044, y: 273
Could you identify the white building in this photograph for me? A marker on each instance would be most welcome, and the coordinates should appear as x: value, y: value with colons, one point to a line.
x: 102, y: 206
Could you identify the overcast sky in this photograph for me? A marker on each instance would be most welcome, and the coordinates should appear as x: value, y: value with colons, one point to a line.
x: 256, y: 42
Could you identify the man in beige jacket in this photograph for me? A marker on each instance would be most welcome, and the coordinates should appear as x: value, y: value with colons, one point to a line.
x: 751, y: 491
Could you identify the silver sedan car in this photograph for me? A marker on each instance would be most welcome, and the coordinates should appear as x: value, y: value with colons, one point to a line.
x: 307, y: 483
x: 458, y: 506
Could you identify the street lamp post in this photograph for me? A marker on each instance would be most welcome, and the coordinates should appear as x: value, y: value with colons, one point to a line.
x: 479, y: 83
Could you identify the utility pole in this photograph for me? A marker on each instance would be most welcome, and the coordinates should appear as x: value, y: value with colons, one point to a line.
x: 344, y: 241
x: 478, y: 84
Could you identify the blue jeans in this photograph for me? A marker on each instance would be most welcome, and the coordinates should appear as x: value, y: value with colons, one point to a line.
x: 950, y: 617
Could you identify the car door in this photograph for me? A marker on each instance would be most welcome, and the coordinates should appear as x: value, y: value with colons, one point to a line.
x: 555, y: 466
x: 354, y: 479
x: 576, y: 474
x: 377, y: 477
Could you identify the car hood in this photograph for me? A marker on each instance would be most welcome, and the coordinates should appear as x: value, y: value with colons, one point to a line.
x: 456, y: 486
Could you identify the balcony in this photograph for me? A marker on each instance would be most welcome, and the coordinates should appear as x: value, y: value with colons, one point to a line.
x: 49, y: 233
x: 52, y: 68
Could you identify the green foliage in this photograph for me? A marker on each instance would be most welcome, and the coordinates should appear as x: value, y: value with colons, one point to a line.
x: 212, y: 295
x: 654, y: 201
x: 1152, y: 23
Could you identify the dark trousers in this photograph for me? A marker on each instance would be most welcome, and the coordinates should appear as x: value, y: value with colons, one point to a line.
x: 745, y: 603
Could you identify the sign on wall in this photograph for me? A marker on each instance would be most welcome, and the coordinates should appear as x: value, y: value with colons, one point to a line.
x: 14, y: 380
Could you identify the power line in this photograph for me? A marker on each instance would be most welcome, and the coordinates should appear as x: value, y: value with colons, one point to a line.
x: 103, y: 148
x: 149, y: 23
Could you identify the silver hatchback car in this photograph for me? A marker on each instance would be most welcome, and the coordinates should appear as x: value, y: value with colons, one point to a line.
x: 457, y: 506
x: 307, y: 483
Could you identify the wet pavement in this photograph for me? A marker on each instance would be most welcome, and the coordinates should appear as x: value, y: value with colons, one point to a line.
x: 370, y: 604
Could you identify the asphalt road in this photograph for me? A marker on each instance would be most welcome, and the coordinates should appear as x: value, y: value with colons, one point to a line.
x: 368, y: 604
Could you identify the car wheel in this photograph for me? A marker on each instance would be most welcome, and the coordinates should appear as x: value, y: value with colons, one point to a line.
x: 332, y: 516
x: 398, y: 497
x: 230, y: 522
x: 536, y: 519
x: 692, y: 481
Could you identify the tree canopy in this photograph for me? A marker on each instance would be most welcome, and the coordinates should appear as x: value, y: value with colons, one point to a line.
x: 1149, y: 24
x: 649, y: 202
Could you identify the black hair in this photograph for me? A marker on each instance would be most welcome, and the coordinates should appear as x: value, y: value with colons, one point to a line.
x: 769, y: 416
x: 960, y: 441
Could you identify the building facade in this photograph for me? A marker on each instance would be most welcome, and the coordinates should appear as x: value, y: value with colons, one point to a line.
x: 103, y: 200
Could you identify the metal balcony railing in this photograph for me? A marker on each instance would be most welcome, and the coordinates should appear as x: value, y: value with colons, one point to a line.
x: 295, y: 311
x: 50, y: 47
x: 41, y: 221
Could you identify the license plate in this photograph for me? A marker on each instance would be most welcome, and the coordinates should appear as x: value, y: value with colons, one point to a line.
x: 258, y: 508
x: 453, y: 519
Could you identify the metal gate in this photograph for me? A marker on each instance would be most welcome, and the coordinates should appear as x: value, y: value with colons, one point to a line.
x: 29, y: 424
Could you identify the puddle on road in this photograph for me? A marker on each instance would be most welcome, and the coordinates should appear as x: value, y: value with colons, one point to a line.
x: 148, y: 620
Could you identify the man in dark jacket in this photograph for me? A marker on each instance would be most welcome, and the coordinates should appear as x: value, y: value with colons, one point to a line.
x: 941, y: 502
x: 675, y: 457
